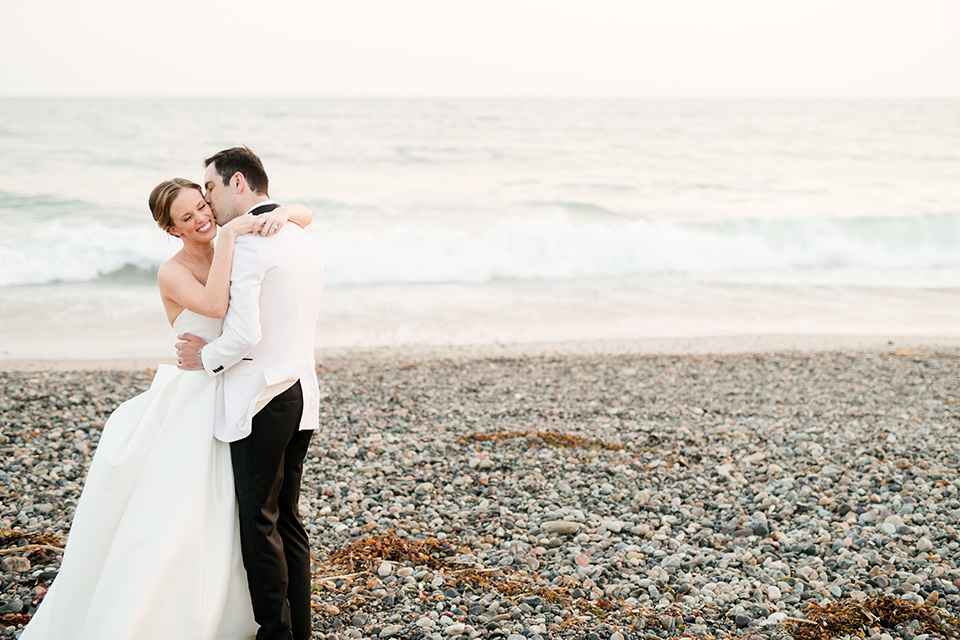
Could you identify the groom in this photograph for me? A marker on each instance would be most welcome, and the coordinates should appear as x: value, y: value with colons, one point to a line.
x: 268, y: 404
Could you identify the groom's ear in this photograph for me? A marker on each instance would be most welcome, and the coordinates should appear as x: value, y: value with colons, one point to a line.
x: 238, y: 182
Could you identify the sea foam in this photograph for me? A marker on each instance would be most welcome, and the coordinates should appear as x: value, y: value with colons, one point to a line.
x: 556, y: 248
x: 551, y: 247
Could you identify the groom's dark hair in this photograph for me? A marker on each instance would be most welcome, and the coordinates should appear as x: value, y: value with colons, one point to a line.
x: 242, y: 159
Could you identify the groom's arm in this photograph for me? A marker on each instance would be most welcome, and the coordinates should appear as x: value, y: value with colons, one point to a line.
x: 241, y: 324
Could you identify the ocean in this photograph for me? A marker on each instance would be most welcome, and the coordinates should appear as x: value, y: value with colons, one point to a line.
x: 458, y: 221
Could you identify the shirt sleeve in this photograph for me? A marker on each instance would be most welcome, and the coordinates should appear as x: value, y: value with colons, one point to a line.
x: 241, y: 324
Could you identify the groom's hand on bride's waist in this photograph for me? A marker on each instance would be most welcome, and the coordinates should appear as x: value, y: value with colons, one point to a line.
x: 187, y: 350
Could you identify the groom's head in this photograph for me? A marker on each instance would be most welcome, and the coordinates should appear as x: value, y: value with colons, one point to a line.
x: 234, y: 182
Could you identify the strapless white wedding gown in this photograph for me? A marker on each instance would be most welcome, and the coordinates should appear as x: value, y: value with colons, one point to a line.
x: 154, y: 549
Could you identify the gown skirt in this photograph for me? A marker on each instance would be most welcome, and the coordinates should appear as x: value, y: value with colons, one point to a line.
x: 154, y: 548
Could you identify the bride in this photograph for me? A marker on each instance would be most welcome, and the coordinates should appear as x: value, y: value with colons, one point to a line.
x: 154, y: 548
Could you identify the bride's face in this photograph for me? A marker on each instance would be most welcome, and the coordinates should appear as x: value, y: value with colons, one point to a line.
x: 191, y: 218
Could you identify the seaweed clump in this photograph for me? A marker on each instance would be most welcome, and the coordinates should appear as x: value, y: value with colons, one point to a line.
x: 548, y: 437
x: 28, y: 544
x: 852, y: 617
x: 14, y: 619
x: 365, y: 554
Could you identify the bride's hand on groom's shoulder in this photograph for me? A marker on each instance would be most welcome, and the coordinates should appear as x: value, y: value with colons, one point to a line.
x: 241, y: 225
x: 267, y: 224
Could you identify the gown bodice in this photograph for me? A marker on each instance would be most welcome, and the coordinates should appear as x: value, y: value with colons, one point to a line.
x: 201, y: 326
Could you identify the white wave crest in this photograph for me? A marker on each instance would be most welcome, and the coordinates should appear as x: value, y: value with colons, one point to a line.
x: 556, y: 248
x: 521, y: 248
x: 59, y: 253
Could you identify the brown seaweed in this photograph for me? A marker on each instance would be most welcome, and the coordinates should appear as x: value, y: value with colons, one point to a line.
x: 548, y: 437
x: 855, y: 617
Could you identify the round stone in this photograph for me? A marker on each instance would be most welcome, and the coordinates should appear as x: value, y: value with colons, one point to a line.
x: 14, y: 564
x: 561, y: 526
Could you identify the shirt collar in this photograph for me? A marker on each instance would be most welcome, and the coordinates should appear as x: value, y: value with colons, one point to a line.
x: 260, y: 204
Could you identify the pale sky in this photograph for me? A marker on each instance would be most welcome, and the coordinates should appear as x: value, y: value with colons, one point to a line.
x: 884, y: 48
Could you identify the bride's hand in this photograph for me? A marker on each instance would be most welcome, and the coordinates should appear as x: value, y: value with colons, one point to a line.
x: 272, y: 221
x: 240, y: 225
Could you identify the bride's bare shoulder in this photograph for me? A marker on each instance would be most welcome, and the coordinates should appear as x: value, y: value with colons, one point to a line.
x: 173, y: 269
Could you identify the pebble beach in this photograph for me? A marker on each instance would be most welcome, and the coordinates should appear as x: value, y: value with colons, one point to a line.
x: 596, y: 496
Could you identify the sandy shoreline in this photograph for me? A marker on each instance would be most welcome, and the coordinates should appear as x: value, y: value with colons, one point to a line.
x: 688, y: 345
x: 80, y: 326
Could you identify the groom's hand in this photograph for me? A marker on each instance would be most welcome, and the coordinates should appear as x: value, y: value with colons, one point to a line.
x: 187, y: 351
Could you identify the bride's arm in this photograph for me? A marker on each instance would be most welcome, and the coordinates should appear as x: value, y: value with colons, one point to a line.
x: 272, y: 221
x: 178, y: 283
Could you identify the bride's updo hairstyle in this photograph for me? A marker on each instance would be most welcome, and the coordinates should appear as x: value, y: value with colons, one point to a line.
x: 162, y: 197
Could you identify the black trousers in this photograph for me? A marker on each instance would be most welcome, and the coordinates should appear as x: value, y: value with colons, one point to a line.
x: 267, y: 468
